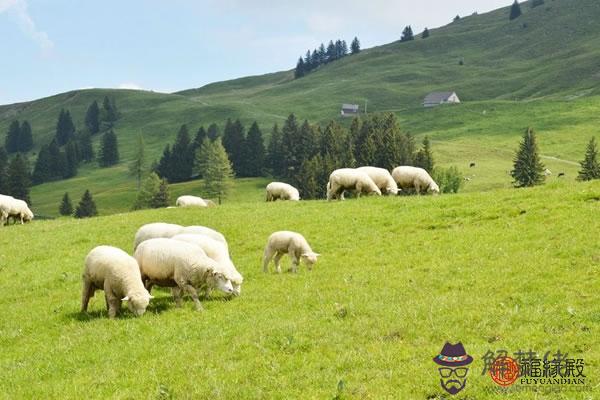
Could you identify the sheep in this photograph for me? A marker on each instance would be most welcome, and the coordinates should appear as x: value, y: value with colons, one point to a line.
x: 350, y: 179
x: 414, y: 177
x: 382, y: 178
x: 15, y: 208
x: 218, y: 252
x: 117, y: 273
x: 292, y: 243
x: 190, y: 201
x: 282, y: 191
x: 203, y: 230
x: 181, y: 266
x: 155, y: 230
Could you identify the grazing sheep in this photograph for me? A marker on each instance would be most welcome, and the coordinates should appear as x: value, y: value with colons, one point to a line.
x: 382, y: 178
x: 210, y: 203
x: 190, y: 201
x: 15, y: 208
x: 118, y: 274
x: 181, y: 266
x: 344, y: 179
x: 203, y: 230
x: 292, y: 243
x: 282, y: 191
x: 155, y: 230
x: 413, y: 177
x: 217, y: 251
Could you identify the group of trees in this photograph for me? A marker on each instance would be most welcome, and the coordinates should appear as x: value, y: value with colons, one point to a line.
x: 321, y: 55
x: 14, y: 176
x: 18, y: 137
x: 85, y: 209
x: 407, y: 34
x: 97, y: 119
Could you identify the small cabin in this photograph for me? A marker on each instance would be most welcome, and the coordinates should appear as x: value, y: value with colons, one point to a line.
x: 349, y: 110
x: 438, y: 98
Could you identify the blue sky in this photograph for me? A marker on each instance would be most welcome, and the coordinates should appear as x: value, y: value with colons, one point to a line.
x: 52, y: 46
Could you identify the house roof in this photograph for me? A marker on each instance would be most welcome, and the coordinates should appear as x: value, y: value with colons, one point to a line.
x: 350, y: 107
x: 437, y: 97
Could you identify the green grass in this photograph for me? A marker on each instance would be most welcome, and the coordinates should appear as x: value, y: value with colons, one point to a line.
x: 506, y: 269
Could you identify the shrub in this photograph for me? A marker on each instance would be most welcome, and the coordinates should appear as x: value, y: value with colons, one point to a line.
x: 450, y: 180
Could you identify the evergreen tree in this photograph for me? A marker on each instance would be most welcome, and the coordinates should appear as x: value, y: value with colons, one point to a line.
x: 338, y: 49
x: 336, y: 147
x: 365, y: 148
x: 18, y: 178
x: 253, y: 153
x: 109, y: 151
x: 213, y: 131
x: 289, y: 144
x: 233, y: 141
x: 331, y: 55
x: 590, y: 167
x: 182, y: 160
x: 163, y: 168
x: 457, y: 18
x: 86, y: 207
x: 3, y: 171
x: 308, y: 64
x: 85, y: 146
x: 425, y: 34
x: 92, y: 118
x: 72, y: 159
x: 137, y: 167
x: 66, y: 207
x: 322, y: 54
x: 57, y: 161
x: 315, y: 59
x: 25, y: 137
x: 306, y: 179
x: 275, y: 161
x: 199, y: 138
x: 299, y: 71
x: 109, y: 111
x: 12, y: 137
x: 65, y: 130
x: 216, y: 169
x: 355, y: 46
x: 147, y: 192
x: 407, y: 34
x: 162, y: 197
x: 515, y: 10
x: 528, y: 169
x: 42, y: 171
x: 424, y: 157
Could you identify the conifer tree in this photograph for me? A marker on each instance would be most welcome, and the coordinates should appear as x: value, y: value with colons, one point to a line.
x: 253, y: 153
x: 407, y: 34
x: 344, y: 48
x: 66, y: 207
x: 182, y: 159
x: 515, y: 10
x: 331, y: 54
x: 65, y: 130
x: 163, y: 168
x: 306, y: 180
x: 299, y: 71
x: 18, y: 178
x: 274, y: 160
x: 213, y: 131
x: 162, y: 198
x: 355, y: 46
x: 322, y: 54
x: 424, y: 157
x: 109, y: 111
x: 85, y: 146
x: 590, y: 167
x: 147, y: 192
x: 109, y: 151
x: 216, y: 169
x: 199, y: 138
x: 457, y: 18
x: 25, y: 137
x: 12, y: 137
x: 86, y: 207
x: 137, y: 168
x: 92, y: 118
x: 337, y: 147
x: 57, y: 161
x: 233, y: 142
x: 528, y: 170
x: 3, y: 171
x: 42, y: 171
x: 289, y: 143
x: 425, y: 34
x: 72, y: 159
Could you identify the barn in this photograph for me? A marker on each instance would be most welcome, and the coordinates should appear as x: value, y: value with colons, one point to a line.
x: 437, y: 98
x: 349, y: 110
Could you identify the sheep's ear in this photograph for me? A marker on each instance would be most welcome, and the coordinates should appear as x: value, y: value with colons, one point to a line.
x: 126, y: 298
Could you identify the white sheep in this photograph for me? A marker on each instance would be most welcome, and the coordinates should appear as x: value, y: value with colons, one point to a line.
x: 344, y: 179
x: 282, y: 191
x: 181, y: 266
x: 117, y: 273
x: 217, y: 251
x: 292, y: 243
x: 15, y: 208
x: 413, y: 177
x: 203, y: 230
x: 382, y: 178
x: 155, y: 230
x: 190, y: 201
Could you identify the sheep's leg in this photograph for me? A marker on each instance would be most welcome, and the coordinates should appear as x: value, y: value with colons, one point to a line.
x: 86, y: 294
x: 267, y: 258
x: 147, y: 284
x: 278, y: 262
x: 192, y: 292
x: 295, y: 261
x: 113, y: 303
x: 177, y: 296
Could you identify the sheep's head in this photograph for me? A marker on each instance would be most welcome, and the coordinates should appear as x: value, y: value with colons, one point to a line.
x: 310, y: 258
x: 434, y: 188
x: 138, y: 303
x: 219, y: 281
x: 392, y: 190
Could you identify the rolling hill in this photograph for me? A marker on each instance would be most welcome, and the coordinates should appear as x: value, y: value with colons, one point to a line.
x: 539, y: 70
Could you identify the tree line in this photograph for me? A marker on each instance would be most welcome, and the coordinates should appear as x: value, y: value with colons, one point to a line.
x: 324, y: 55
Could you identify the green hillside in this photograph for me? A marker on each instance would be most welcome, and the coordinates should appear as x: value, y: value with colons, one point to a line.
x: 509, y: 269
x: 539, y: 70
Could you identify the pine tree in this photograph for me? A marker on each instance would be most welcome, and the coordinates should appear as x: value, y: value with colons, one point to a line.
x: 253, y: 153
x: 66, y: 207
x: 19, y: 179
x: 12, y: 137
x: 590, y: 167
x: 85, y: 146
x: 72, y: 159
x: 58, y: 161
x: 315, y: 59
x: 25, y: 137
x: 308, y: 64
x: 147, y: 192
x: 65, y: 130
x: 306, y: 179
x: 338, y: 49
x: 425, y: 34
x: 233, y: 141
x: 322, y: 54
x: 344, y: 48
x: 182, y: 159
x: 365, y: 148
x: 299, y: 71
x: 137, y: 168
x: 424, y: 157
x: 92, y: 118
x: 337, y: 147
x: 274, y: 159
x: 109, y: 111
x: 355, y: 46
x: 3, y: 171
x: 163, y: 168
x: 515, y: 10
x: 86, y: 207
x: 457, y: 18
x: 199, y: 138
x: 213, y: 131
x: 407, y: 34
x: 216, y: 169
x: 289, y: 143
x: 162, y: 197
x: 109, y: 151
x: 42, y: 171
x: 528, y: 169
x: 331, y: 54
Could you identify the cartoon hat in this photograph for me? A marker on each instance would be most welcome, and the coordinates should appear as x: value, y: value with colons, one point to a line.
x: 453, y: 355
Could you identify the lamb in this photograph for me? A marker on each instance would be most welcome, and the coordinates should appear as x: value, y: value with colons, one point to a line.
x: 382, y: 178
x: 182, y: 266
x: 15, y: 208
x: 350, y: 179
x: 218, y: 252
x: 155, y: 230
x: 292, y: 243
x: 190, y: 201
x: 282, y: 191
x: 413, y: 177
x: 117, y: 273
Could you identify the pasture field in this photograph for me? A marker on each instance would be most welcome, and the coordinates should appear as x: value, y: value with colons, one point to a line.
x: 398, y: 277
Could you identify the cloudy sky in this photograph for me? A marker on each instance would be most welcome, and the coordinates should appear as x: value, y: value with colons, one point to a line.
x: 52, y: 46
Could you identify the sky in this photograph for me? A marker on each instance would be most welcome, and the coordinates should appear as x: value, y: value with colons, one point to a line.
x: 53, y: 46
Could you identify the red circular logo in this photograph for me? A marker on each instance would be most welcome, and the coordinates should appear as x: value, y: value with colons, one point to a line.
x: 504, y: 371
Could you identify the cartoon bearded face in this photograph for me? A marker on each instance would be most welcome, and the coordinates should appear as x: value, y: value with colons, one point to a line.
x: 453, y: 379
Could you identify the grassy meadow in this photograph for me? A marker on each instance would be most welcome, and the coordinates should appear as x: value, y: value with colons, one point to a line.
x: 398, y: 277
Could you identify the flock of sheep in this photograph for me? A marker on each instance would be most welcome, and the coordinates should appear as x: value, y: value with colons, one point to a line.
x: 186, y: 259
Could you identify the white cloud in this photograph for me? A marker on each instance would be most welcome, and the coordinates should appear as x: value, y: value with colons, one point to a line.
x: 26, y: 23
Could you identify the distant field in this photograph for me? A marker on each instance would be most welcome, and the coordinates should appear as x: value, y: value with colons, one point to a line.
x: 506, y: 269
